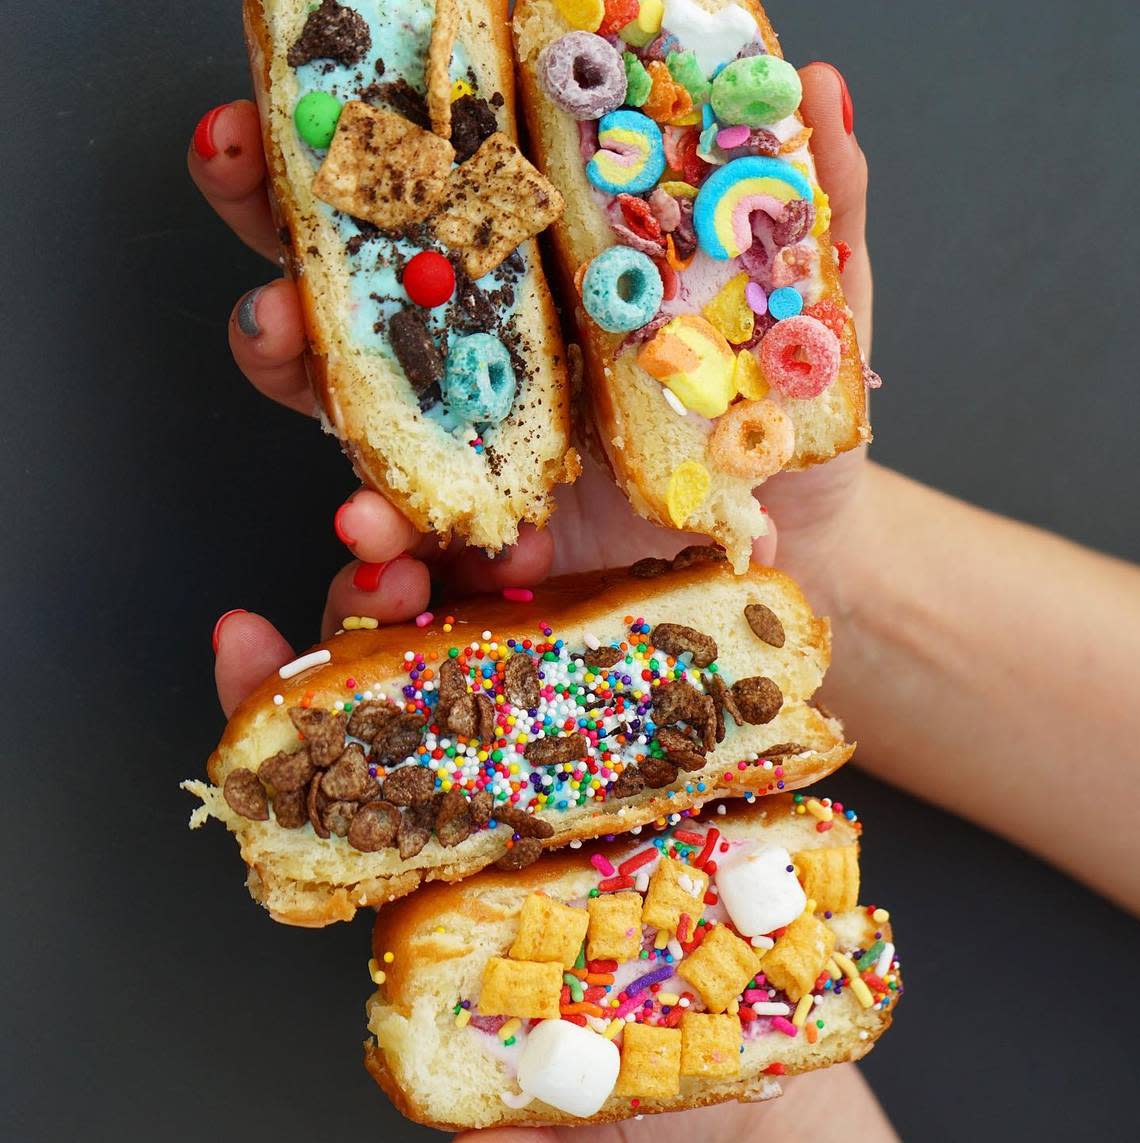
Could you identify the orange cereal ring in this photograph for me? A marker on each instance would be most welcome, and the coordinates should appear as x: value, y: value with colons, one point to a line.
x: 754, y: 439
x: 668, y: 100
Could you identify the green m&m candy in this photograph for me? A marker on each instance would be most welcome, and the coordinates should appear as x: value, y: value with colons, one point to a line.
x: 759, y: 90
x: 316, y: 116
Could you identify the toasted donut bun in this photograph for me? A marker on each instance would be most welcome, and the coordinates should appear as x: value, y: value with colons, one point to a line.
x: 403, y: 436
x: 443, y: 1062
x: 644, y: 438
x: 647, y: 740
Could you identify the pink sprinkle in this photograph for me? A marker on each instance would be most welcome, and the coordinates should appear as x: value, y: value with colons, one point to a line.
x: 518, y: 594
x: 785, y: 1026
x: 735, y: 136
x: 602, y: 865
x: 755, y: 996
x: 756, y: 298
x: 424, y: 618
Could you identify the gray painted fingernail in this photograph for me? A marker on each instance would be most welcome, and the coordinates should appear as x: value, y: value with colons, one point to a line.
x: 247, y: 314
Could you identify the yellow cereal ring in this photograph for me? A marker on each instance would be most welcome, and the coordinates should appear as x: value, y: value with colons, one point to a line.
x: 584, y: 15
x: 688, y: 487
x: 754, y: 439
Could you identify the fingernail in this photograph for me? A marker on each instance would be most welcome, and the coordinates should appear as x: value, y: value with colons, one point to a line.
x: 218, y: 626
x: 368, y: 576
x: 204, y: 146
x: 338, y: 526
x: 247, y: 313
x: 845, y: 95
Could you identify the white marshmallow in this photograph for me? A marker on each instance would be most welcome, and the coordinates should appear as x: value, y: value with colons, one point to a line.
x: 759, y: 892
x: 716, y: 37
x: 568, y: 1067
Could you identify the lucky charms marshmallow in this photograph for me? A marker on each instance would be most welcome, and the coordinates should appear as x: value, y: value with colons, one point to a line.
x: 718, y: 346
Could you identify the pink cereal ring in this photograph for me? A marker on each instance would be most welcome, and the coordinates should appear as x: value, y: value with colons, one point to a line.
x: 800, y: 357
x: 754, y: 439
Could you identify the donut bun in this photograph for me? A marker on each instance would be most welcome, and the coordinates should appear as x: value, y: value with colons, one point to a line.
x: 446, y: 1064
x: 649, y: 440
x: 377, y: 351
x: 609, y: 700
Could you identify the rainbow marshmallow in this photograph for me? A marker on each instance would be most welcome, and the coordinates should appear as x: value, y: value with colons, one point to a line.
x: 726, y: 202
x: 631, y: 155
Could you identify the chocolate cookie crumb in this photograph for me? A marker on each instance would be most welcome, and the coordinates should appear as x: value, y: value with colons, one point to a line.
x: 554, y: 751
x: 415, y: 350
x: 415, y: 829
x: 472, y: 121
x: 347, y: 779
x: 399, y: 739
x: 323, y: 731
x: 453, y: 819
x: 481, y: 806
x: 369, y: 719
x: 526, y: 851
x: 602, y: 658
x: 698, y: 554
x: 331, y: 32
x: 765, y: 624
x: 759, y: 700
x: 245, y: 795
x: 649, y: 568
x: 521, y: 681
x: 675, y: 640
x: 374, y: 827
x: 290, y: 808
x: 404, y: 99
x: 629, y: 782
x: 287, y: 772
x: 409, y: 785
x: 524, y: 824
x: 658, y: 772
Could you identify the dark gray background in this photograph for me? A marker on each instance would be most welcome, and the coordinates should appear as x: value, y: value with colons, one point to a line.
x: 146, y: 489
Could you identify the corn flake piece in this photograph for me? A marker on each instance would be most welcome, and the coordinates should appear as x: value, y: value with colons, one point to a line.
x: 615, y: 927
x: 549, y: 932
x: 382, y: 168
x: 443, y: 31
x: 493, y: 202
x: 674, y: 888
x: 799, y: 956
x: 749, y: 378
x: 650, y: 1062
x: 521, y: 988
x: 721, y: 968
x: 730, y: 312
x: 688, y: 488
x: 830, y: 876
x: 710, y: 1045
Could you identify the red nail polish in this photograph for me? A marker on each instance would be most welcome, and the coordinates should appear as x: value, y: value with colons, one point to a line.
x: 845, y: 97
x: 368, y: 576
x: 338, y: 527
x: 218, y: 626
x: 204, y: 146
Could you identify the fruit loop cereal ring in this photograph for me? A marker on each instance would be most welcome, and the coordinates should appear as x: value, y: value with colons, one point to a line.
x: 800, y: 357
x: 757, y: 91
x: 618, y: 14
x: 622, y: 289
x: 785, y: 303
x: 479, y: 382
x: 583, y: 74
x: 631, y: 157
x: 637, y: 80
x: 585, y: 15
x: 691, y: 357
x: 668, y: 100
x: 688, y: 489
x: 731, y: 195
x: 644, y: 29
x: 754, y: 439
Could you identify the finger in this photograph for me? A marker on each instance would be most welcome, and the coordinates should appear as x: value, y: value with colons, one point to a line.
x: 764, y: 547
x: 267, y: 339
x: 227, y: 164
x: 389, y: 593
x: 248, y: 648
x: 373, y: 529
x: 522, y: 565
x: 842, y: 169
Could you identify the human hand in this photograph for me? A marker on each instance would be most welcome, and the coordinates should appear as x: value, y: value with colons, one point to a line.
x: 594, y: 526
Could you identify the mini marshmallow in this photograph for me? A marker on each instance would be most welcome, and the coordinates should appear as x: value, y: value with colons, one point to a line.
x: 759, y: 892
x: 568, y: 1067
x: 716, y: 37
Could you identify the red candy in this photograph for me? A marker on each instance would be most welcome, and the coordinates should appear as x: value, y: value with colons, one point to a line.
x: 429, y: 279
x: 618, y: 14
x: 681, y: 155
x: 844, y: 251
x: 639, y: 217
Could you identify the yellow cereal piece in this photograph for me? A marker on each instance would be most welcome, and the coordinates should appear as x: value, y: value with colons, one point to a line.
x: 799, y: 956
x: 710, y: 1045
x: 822, y: 213
x: 830, y: 876
x: 721, y: 968
x: 688, y: 487
x: 749, y: 378
x: 674, y: 888
x: 644, y: 28
x: 730, y: 312
x: 584, y: 15
x: 615, y: 927
x: 679, y: 189
x: 521, y: 988
x: 460, y: 88
x: 650, y: 1062
x: 688, y: 119
x: 549, y: 931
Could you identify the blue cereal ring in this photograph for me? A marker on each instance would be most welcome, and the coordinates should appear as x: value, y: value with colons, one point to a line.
x: 631, y: 155
x: 479, y: 382
x: 622, y: 289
